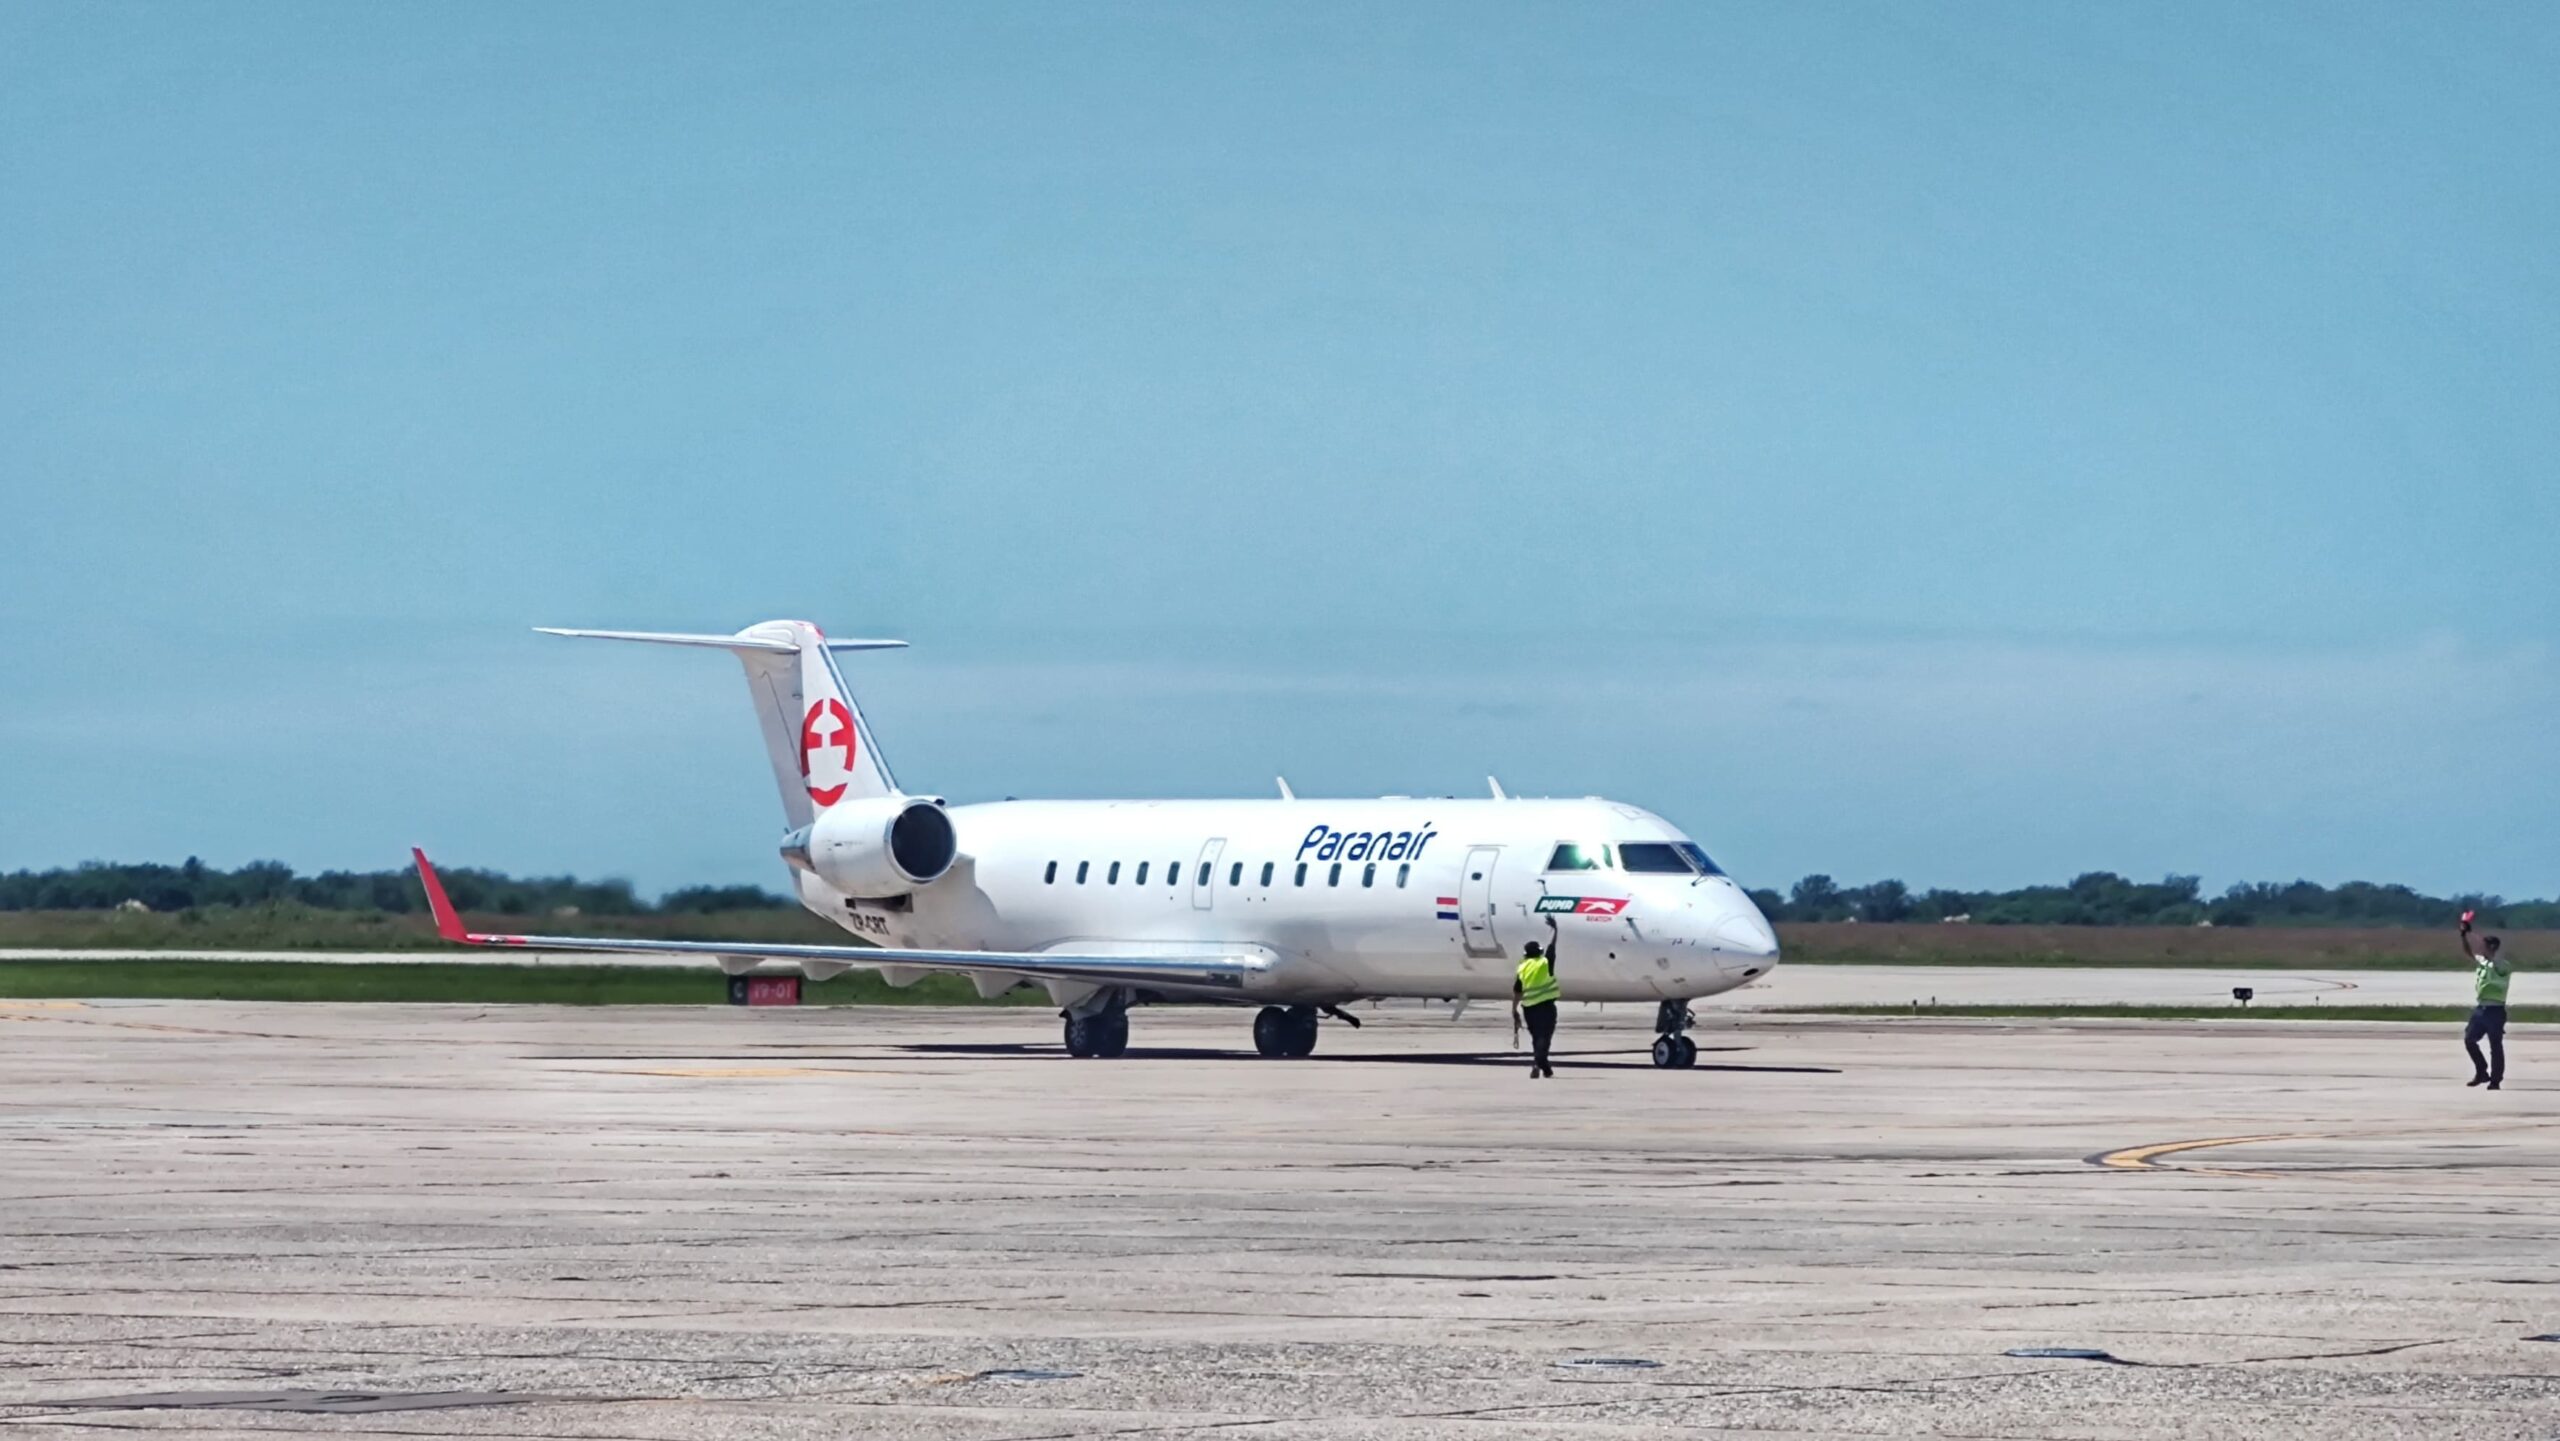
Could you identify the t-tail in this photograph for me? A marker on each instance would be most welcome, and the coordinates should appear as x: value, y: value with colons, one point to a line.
x: 822, y: 751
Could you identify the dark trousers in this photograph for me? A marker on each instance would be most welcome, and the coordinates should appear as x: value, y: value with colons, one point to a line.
x: 2491, y: 1022
x: 1542, y: 1032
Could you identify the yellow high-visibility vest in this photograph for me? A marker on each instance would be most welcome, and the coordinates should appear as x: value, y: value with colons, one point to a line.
x: 2488, y: 981
x: 1538, y: 982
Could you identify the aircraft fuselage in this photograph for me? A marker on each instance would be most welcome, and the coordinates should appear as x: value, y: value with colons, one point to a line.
x: 1346, y: 898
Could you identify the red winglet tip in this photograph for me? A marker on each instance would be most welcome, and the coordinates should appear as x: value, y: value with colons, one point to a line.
x: 448, y: 920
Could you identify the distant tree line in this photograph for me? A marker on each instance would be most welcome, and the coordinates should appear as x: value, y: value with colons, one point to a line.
x: 101, y: 885
x: 2099, y: 898
x: 2103, y: 898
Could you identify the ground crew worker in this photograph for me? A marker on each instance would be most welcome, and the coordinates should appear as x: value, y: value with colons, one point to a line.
x: 2489, y: 975
x: 1533, y: 995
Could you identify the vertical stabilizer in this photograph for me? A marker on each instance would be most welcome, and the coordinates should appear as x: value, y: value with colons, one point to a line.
x: 820, y: 748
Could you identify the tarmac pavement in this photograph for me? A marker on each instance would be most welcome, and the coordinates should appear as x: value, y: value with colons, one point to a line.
x: 674, y: 1223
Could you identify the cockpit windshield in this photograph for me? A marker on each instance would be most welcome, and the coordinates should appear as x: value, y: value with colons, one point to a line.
x: 1666, y: 858
x: 1572, y: 856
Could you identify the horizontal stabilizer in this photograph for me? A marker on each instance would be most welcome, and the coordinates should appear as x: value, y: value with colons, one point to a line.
x: 718, y: 642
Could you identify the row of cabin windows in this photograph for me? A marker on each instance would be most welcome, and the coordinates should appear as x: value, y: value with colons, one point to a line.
x: 1235, y: 874
x: 1644, y: 857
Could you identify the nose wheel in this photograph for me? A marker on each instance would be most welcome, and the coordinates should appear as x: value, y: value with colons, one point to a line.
x: 1284, y: 1031
x: 1672, y: 1048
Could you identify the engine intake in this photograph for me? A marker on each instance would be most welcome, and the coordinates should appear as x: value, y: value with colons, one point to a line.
x: 885, y: 846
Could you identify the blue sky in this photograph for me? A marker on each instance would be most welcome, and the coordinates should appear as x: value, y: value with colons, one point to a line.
x: 1973, y: 444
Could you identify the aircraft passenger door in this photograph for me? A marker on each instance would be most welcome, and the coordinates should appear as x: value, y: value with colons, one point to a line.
x: 1475, y: 901
x: 1204, y: 877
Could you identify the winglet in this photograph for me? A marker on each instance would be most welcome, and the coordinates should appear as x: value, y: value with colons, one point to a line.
x: 448, y: 920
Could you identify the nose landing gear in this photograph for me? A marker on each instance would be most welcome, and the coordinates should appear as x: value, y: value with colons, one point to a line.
x: 1284, y: 1031
x: 1672, y: 1048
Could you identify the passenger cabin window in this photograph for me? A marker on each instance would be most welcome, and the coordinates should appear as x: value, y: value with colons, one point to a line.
x: 1574, y: 856
x: 1235, y: 874
x: 1204, y: 873
x: 1666, y: 858
x: 1402, y: 873
x: 1052, y: 877
x: 1302, y: 873
x: 1081, y: 868
x: 1266, y: 875
x: 1369, y: 875
x: 1336, y: 878
x: 1142, y: 875
x: 1111, y: 877
x: 1173, y: 873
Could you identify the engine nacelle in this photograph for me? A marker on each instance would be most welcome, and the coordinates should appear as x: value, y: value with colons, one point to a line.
x: 885, y: 846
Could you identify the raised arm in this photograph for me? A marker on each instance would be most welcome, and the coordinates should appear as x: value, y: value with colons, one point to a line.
x: 2469, y: 952
x: 1551, y: 943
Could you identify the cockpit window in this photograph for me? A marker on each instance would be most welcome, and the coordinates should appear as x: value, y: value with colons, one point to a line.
x: 1571, y: 856
x: 1666, y: 858
x: 1653, y: 858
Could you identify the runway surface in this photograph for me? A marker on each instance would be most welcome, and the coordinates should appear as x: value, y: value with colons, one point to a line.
x: 715, y: 1223
x: 2108, y: 985
x: 1788, y: 986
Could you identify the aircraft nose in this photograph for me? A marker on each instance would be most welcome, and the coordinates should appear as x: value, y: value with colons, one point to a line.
x: 1736, y: 927
x: 1747, y: 933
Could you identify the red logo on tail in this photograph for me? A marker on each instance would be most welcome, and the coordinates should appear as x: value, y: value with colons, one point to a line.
x: 827, y: 728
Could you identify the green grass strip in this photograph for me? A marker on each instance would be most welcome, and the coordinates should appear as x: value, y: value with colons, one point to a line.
x: 130, y: 978
x: 2518, y: 1014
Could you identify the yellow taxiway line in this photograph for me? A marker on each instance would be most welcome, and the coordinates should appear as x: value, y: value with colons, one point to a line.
x: 2141, y: 1158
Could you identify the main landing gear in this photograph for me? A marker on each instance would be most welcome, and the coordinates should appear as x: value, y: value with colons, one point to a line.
x: 1285, y: 1031
x: 1672, y: 1049
x: 1104, y: 1034
x: 1100, y: 1027
x: 1103, y: 1029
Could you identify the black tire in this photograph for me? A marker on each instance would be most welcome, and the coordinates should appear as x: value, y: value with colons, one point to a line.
x: 1268, y: 1025
x: 1301, y: 1033
x: 1079, y: 1037
x: 1111, y: 1037
x: 1666, y: 1052
x: 1688, y: 1053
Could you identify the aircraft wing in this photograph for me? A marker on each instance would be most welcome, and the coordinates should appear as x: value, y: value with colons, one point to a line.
x: 1211, y: 972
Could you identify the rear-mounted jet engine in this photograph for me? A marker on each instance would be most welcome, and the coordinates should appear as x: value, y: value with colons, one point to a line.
x: 871, y: 849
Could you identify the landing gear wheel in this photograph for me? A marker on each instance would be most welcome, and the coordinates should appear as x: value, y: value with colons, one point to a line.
x: 1104, y: 1033
x: 1671, y: 1049
x: 1299, y: 1033
x: 1270, y: 1025
x: 1284, y: 1031
x: 1110, y: 1035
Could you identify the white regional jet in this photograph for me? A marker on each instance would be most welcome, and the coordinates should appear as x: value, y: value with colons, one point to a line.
x: 1298, y: 906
